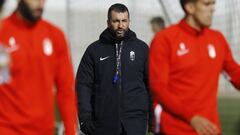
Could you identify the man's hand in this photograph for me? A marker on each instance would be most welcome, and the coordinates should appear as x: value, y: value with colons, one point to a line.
x: 204, y: 126
x: 88, y: 127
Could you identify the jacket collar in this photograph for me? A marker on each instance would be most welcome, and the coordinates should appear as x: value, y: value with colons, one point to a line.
x: 186, y: 27
x: 107, y: 36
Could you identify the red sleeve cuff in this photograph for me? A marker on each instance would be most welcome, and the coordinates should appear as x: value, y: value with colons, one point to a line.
x: 187, y: 115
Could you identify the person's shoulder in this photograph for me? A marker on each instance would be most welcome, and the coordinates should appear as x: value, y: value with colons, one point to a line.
x: 141, y: 43
x: 52, y: 27
x: 215, y: 33
x: 135, y: 41
x: 8, y: 27
x: 6, y: 22
x: 6, y: 19
x: 170, y: 31
x: 93, y: 46
x: 141, y: 47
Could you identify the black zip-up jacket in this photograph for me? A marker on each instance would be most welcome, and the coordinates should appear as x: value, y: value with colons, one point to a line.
x: 104, y: 107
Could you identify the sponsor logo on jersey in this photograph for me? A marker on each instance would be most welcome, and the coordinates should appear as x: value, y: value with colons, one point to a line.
x: 12, y: 45
x: 182, y: 49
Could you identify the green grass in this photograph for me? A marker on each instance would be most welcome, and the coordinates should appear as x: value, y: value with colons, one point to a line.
x: 229, y: 111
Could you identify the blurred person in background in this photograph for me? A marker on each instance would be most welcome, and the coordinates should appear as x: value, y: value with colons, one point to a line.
x: 1, y: 6
x: 185, y: 63
x: 157, y: 24
x: 40, y: 64
x: 112, y: 80
x: 4, y: 56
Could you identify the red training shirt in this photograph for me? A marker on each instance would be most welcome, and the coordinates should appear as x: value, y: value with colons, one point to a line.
x: 40, y: 63
x: 184, y: 69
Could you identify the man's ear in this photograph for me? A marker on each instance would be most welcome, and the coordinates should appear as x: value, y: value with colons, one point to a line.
x: 190, y: 8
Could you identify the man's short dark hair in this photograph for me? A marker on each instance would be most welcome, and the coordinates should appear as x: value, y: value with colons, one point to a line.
x: 158, y: 20
x: 118, y: 7
x: 184, y: 2
x: 1, y: 3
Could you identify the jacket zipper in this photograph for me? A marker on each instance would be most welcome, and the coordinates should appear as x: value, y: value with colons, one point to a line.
x: 120, y: 86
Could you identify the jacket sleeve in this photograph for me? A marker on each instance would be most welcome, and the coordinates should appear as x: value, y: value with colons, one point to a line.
x: 64, y: 79
x: 146, y: 81
x: 84, y: 86
x: 159, y: 74
x: 230, y: 66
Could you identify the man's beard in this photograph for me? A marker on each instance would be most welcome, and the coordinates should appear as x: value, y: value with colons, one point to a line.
x: 119, y: 38
x: 26, y: 12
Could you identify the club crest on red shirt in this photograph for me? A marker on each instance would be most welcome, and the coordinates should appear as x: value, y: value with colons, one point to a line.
x: 211, y: 51
x: 47, y: 47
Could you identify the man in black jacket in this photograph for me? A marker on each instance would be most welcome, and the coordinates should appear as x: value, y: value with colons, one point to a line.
x: 111, y: 80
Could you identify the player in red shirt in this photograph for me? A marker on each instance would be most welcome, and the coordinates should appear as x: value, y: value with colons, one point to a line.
x: 185, y: 62
x: 157, y: 24
x: 40, y: 62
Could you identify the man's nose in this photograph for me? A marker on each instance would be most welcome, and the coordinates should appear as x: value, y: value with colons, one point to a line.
x: 120, y: 24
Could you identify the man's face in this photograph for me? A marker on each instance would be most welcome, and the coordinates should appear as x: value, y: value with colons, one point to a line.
x: 119, y: 23
x: 31, y: 9
x: 203, y: 12
x: 156, y: 27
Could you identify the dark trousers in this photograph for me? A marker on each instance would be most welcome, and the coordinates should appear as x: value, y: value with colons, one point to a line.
x: 158, y: 134
x: 122, y: 130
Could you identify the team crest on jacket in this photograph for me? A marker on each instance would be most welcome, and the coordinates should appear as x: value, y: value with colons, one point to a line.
x: 211, y: 51
x: 132, y: 55
x: 47, y: 47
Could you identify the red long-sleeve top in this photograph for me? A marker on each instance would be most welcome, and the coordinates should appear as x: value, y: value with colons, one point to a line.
x: 184, y: 68
x: 40, y: 62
